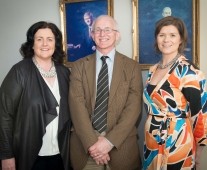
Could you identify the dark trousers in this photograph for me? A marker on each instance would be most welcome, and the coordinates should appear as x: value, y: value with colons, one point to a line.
x: 53, y: 162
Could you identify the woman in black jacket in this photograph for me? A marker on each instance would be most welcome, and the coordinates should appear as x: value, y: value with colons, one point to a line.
x: 34, y: 112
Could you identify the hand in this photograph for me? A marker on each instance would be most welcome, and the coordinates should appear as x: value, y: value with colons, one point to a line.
x: 101, y: 160
x: 8, y: 164
x: 100, y: 148
x: 199, y: 150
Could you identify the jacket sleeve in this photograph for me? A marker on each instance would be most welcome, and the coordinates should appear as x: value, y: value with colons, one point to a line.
x: 10, y: 93
x: 194, y: 91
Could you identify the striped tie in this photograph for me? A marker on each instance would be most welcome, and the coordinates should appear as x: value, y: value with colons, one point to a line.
x: 101, y: 106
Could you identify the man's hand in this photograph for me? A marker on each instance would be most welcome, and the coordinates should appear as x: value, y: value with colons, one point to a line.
x: 99, y: 151
x: 101, y: 160
x: 8, y: 164
x: 100, y: 148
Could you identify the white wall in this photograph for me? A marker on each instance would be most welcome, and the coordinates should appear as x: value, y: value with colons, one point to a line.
x: 17, y: 16
x: 123, y: 15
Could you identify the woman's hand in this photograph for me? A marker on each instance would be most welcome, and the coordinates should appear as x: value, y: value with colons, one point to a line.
x: 8, y: 164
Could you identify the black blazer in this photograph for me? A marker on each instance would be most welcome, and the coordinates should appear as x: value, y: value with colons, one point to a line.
x: 27, y: 106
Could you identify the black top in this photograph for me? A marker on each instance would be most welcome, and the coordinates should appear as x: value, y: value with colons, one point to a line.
x: 150, y: 88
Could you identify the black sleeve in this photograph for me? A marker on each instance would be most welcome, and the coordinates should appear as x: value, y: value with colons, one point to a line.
x: 10, y: 93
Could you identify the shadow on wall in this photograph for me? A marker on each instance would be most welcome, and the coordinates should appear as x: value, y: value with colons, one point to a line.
x: 142, y: 120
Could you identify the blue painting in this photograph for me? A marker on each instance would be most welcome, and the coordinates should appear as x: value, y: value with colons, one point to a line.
x: 79, y: 18
x: 149, y: 13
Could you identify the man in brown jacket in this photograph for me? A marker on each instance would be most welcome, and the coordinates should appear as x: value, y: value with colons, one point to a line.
x: 116, y: 147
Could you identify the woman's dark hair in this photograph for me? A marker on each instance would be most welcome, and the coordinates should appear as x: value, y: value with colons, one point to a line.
x: 179, y: 24
x: 26, y: 49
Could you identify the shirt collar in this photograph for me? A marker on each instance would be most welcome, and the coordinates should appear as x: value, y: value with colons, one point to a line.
x: 111, y: 54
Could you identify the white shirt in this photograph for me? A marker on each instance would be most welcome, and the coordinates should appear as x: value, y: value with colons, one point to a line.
x: 50, y: 140
x: 109, y: 61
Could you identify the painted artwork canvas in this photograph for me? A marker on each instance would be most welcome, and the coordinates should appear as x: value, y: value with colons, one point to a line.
x: 149, y: 12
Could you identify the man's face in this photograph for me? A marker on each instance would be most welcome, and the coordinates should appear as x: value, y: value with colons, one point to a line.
x: 88, y: 20
x: 105, y: 40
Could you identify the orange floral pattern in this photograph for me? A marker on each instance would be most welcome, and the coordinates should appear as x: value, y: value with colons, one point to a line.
x: 177, y: 117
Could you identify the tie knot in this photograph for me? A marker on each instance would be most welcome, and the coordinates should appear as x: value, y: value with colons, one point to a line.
x: 103, y: 58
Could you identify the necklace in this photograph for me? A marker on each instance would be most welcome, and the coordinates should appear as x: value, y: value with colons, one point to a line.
x: 161, y: 66
x: 47, y: 74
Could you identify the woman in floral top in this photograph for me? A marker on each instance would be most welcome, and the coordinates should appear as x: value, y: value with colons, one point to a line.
x: 176, y: 103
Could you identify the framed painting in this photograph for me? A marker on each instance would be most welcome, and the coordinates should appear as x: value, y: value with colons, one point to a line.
x: 77, y: 17
x: 147, y: 13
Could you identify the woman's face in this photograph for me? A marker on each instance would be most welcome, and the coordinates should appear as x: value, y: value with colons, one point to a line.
x: 44, y: 43
x: 168, y: 40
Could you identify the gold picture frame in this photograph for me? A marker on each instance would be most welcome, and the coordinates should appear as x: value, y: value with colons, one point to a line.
x: 72, y: 14
x: 142, y: 10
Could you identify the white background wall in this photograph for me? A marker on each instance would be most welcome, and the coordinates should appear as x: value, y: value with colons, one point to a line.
x: 17, y: 16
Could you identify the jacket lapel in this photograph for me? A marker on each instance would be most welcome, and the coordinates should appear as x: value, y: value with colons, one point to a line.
x: 63, y: 81
x: 117, y: 75
x: 49, y: 100
x: 90, y: 70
